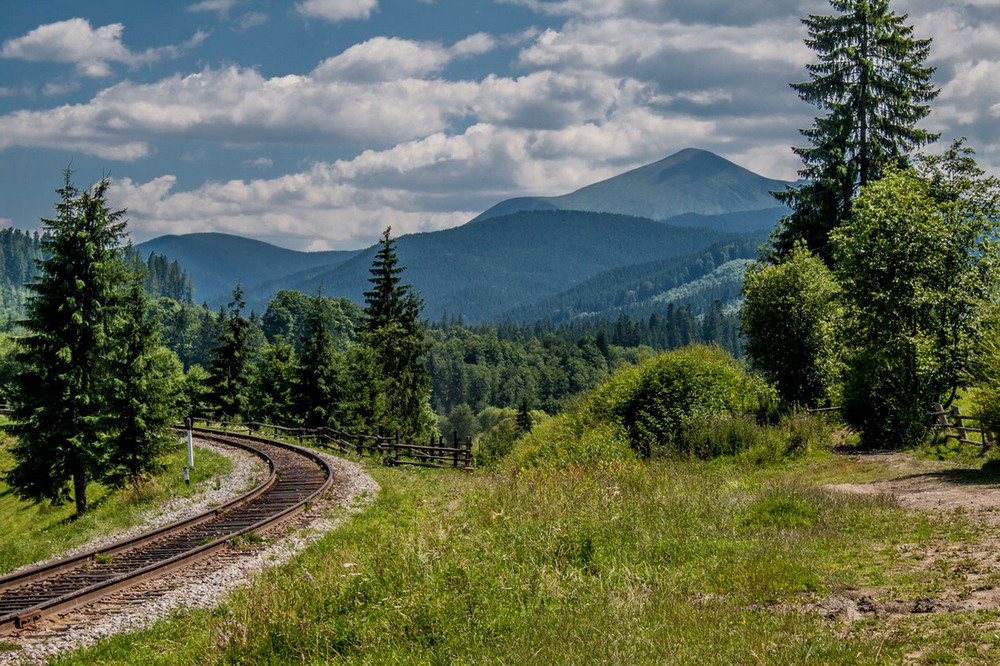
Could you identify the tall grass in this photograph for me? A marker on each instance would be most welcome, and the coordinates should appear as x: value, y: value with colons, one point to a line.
x: 618, y: 562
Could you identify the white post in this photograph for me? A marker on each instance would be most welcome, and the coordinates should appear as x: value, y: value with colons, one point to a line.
x: 190, y: 444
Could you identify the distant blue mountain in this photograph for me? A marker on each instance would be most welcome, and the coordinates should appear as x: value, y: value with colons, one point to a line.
x: 689, y: 188
x: 486, y: 269
x: 217, y: 262
x: 640, y: 234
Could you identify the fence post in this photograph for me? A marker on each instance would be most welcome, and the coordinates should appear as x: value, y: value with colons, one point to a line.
x: 397, y: 447
x: 468, y: 452
x: 956, y: 414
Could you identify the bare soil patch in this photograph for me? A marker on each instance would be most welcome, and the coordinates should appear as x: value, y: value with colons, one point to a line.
x: 971, y: 570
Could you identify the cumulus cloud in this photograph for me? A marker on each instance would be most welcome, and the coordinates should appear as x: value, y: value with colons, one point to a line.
x: 385, y: 59
x: 91, y: 50
x: 618, y: 84
x: 432, y: 183
x: 336, y: 10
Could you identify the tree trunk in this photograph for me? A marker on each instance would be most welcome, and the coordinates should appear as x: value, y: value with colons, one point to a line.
x: 80, y: 487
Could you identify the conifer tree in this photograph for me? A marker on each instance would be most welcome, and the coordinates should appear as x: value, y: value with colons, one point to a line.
x: 318, y: 392
x: 391, y: 329
x: 145, y: 386
x: 230, y: 371
x: 874, y: 87
x: 60, y: 395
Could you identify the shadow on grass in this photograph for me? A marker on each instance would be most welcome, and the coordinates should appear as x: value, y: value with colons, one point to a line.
x: 988, y: 475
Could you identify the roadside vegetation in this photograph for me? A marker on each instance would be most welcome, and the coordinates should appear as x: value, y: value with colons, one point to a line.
x: 34, y: 531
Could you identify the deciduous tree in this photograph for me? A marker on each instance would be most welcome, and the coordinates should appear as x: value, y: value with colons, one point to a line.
x: 919, y: 269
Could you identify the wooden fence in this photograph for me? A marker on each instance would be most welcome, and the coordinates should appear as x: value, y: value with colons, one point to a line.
x: 390, y: 450
x: 954, y: 424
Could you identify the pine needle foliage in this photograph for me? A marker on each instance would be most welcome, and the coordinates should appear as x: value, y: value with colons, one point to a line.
x: 62, y: 391
x: 394, y: 341
x: 872, y: 82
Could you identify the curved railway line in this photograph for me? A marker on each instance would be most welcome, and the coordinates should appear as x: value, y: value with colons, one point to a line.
x: 297, y: 477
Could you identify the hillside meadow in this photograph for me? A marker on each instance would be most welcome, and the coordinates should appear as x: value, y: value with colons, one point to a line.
x: 625, y: 561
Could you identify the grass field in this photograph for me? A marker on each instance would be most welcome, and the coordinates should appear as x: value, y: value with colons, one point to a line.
x: 629, y: 562
x: 35, y: 531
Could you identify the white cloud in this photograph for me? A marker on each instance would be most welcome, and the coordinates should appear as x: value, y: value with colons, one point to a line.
x: 337, y: 10
x: 91, y: 50
x: 476, y: 44
x: 385, y: 59
x: 251, y: 20
x: 58, y: 89
x: 220, y: 6
x: 432, y: 183
x: 72, y: 41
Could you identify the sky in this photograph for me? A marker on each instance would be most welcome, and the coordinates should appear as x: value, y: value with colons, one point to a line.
x: 315, y: 124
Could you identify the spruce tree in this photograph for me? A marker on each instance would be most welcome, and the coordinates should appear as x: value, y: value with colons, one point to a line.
x: 318, y: 391
x: 393, y: 332
x: 60, y: 395
x: 145, y: 386
x: 230, y: 371
x: 874, y: 87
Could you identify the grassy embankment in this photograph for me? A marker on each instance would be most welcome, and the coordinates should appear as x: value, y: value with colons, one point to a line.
x: 680, y: 561
x: 35, y: 531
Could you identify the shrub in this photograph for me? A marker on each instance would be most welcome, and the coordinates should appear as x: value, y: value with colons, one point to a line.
x: 667, y: 401
x: 568, y: 440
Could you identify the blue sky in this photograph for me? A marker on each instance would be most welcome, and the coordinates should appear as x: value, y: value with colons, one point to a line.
x: 314, y: 124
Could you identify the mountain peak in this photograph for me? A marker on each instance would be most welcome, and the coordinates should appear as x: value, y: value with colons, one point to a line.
x: 689, y: 182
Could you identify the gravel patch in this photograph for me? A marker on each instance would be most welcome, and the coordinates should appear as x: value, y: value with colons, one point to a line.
x: 203, y: 586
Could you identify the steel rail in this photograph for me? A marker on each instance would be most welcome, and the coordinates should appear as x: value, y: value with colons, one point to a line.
x: 85, y: 593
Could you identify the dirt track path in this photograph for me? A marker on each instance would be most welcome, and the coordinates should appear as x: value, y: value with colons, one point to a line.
x: 972, y: 570
x: 927, y: 485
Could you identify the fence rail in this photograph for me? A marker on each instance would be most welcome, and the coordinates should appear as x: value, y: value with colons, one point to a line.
x: 954, y: 420
x: 390, y: 450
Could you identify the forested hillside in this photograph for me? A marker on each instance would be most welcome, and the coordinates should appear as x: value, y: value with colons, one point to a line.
x: 642, y: 289
x: 21, y: 250
x: 217, y: 262
x: 483, y: 270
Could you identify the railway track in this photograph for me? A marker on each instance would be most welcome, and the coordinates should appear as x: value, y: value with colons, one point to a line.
x: 297, y: 477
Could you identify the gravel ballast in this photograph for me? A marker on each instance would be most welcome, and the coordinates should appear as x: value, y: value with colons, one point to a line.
x: 206, y: 584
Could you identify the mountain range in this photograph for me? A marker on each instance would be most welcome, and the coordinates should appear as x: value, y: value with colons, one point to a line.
x: 619, y: 246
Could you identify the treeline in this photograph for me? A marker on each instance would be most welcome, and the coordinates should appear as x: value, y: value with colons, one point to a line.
x: 542, y: 364
x: 164, y: 277
x: 20, y: 252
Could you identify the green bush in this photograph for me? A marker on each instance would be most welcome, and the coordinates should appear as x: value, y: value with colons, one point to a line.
x: 568, y: 440
x: 679, y: 401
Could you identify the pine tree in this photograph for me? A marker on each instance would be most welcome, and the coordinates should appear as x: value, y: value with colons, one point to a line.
x: 872, y: 82
x: 230, y: 369
x: 272, y: 397
x: 392, y: 330
x: 145, y: 385
x: 61, y: 392
x: 318, y: 391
